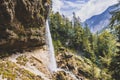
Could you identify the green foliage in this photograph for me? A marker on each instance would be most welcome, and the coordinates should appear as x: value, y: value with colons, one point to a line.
x: 57, y: 45
x: 22, y: 60
x: 106, y: 43
x: 115, y: 26
x: 11, y: 71
x: 70, y: 36
x: 99, y: 48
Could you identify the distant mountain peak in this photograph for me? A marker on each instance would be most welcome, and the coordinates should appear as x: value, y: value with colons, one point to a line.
x: 99, y: 22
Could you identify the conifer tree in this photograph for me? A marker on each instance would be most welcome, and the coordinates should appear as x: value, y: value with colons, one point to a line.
x: 115, y: 25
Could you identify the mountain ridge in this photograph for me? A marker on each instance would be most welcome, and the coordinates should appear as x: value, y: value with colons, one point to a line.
x: 100, y: 21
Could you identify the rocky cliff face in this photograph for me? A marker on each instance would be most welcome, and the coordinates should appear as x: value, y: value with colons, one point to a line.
x: 22, y: 24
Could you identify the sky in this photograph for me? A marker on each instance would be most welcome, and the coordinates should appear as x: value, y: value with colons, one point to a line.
x: 82, y: 8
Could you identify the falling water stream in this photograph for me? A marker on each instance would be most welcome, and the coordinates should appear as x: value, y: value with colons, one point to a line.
x: 52, y: 65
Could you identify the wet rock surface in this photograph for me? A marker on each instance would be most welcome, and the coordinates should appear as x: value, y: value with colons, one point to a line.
x: 61, y: 75
x: 67, y: 61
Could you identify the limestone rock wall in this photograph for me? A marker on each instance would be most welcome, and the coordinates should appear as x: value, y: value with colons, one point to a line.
x: 22, y: 24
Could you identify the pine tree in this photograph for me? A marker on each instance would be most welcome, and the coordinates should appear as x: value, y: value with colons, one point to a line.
x: 115, y: 25
x: 86, y: 42
x: 106, y: 47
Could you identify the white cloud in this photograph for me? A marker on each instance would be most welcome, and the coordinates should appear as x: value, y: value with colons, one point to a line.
x: 67, y: 7
x: 57, y: 5
x: 83, y: 8
x: 94, y: 7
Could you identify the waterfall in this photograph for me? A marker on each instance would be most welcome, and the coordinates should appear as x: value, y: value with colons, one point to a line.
x: 52, y: 64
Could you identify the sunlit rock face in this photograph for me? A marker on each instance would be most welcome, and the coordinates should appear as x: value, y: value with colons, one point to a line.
x: 22, y: 24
